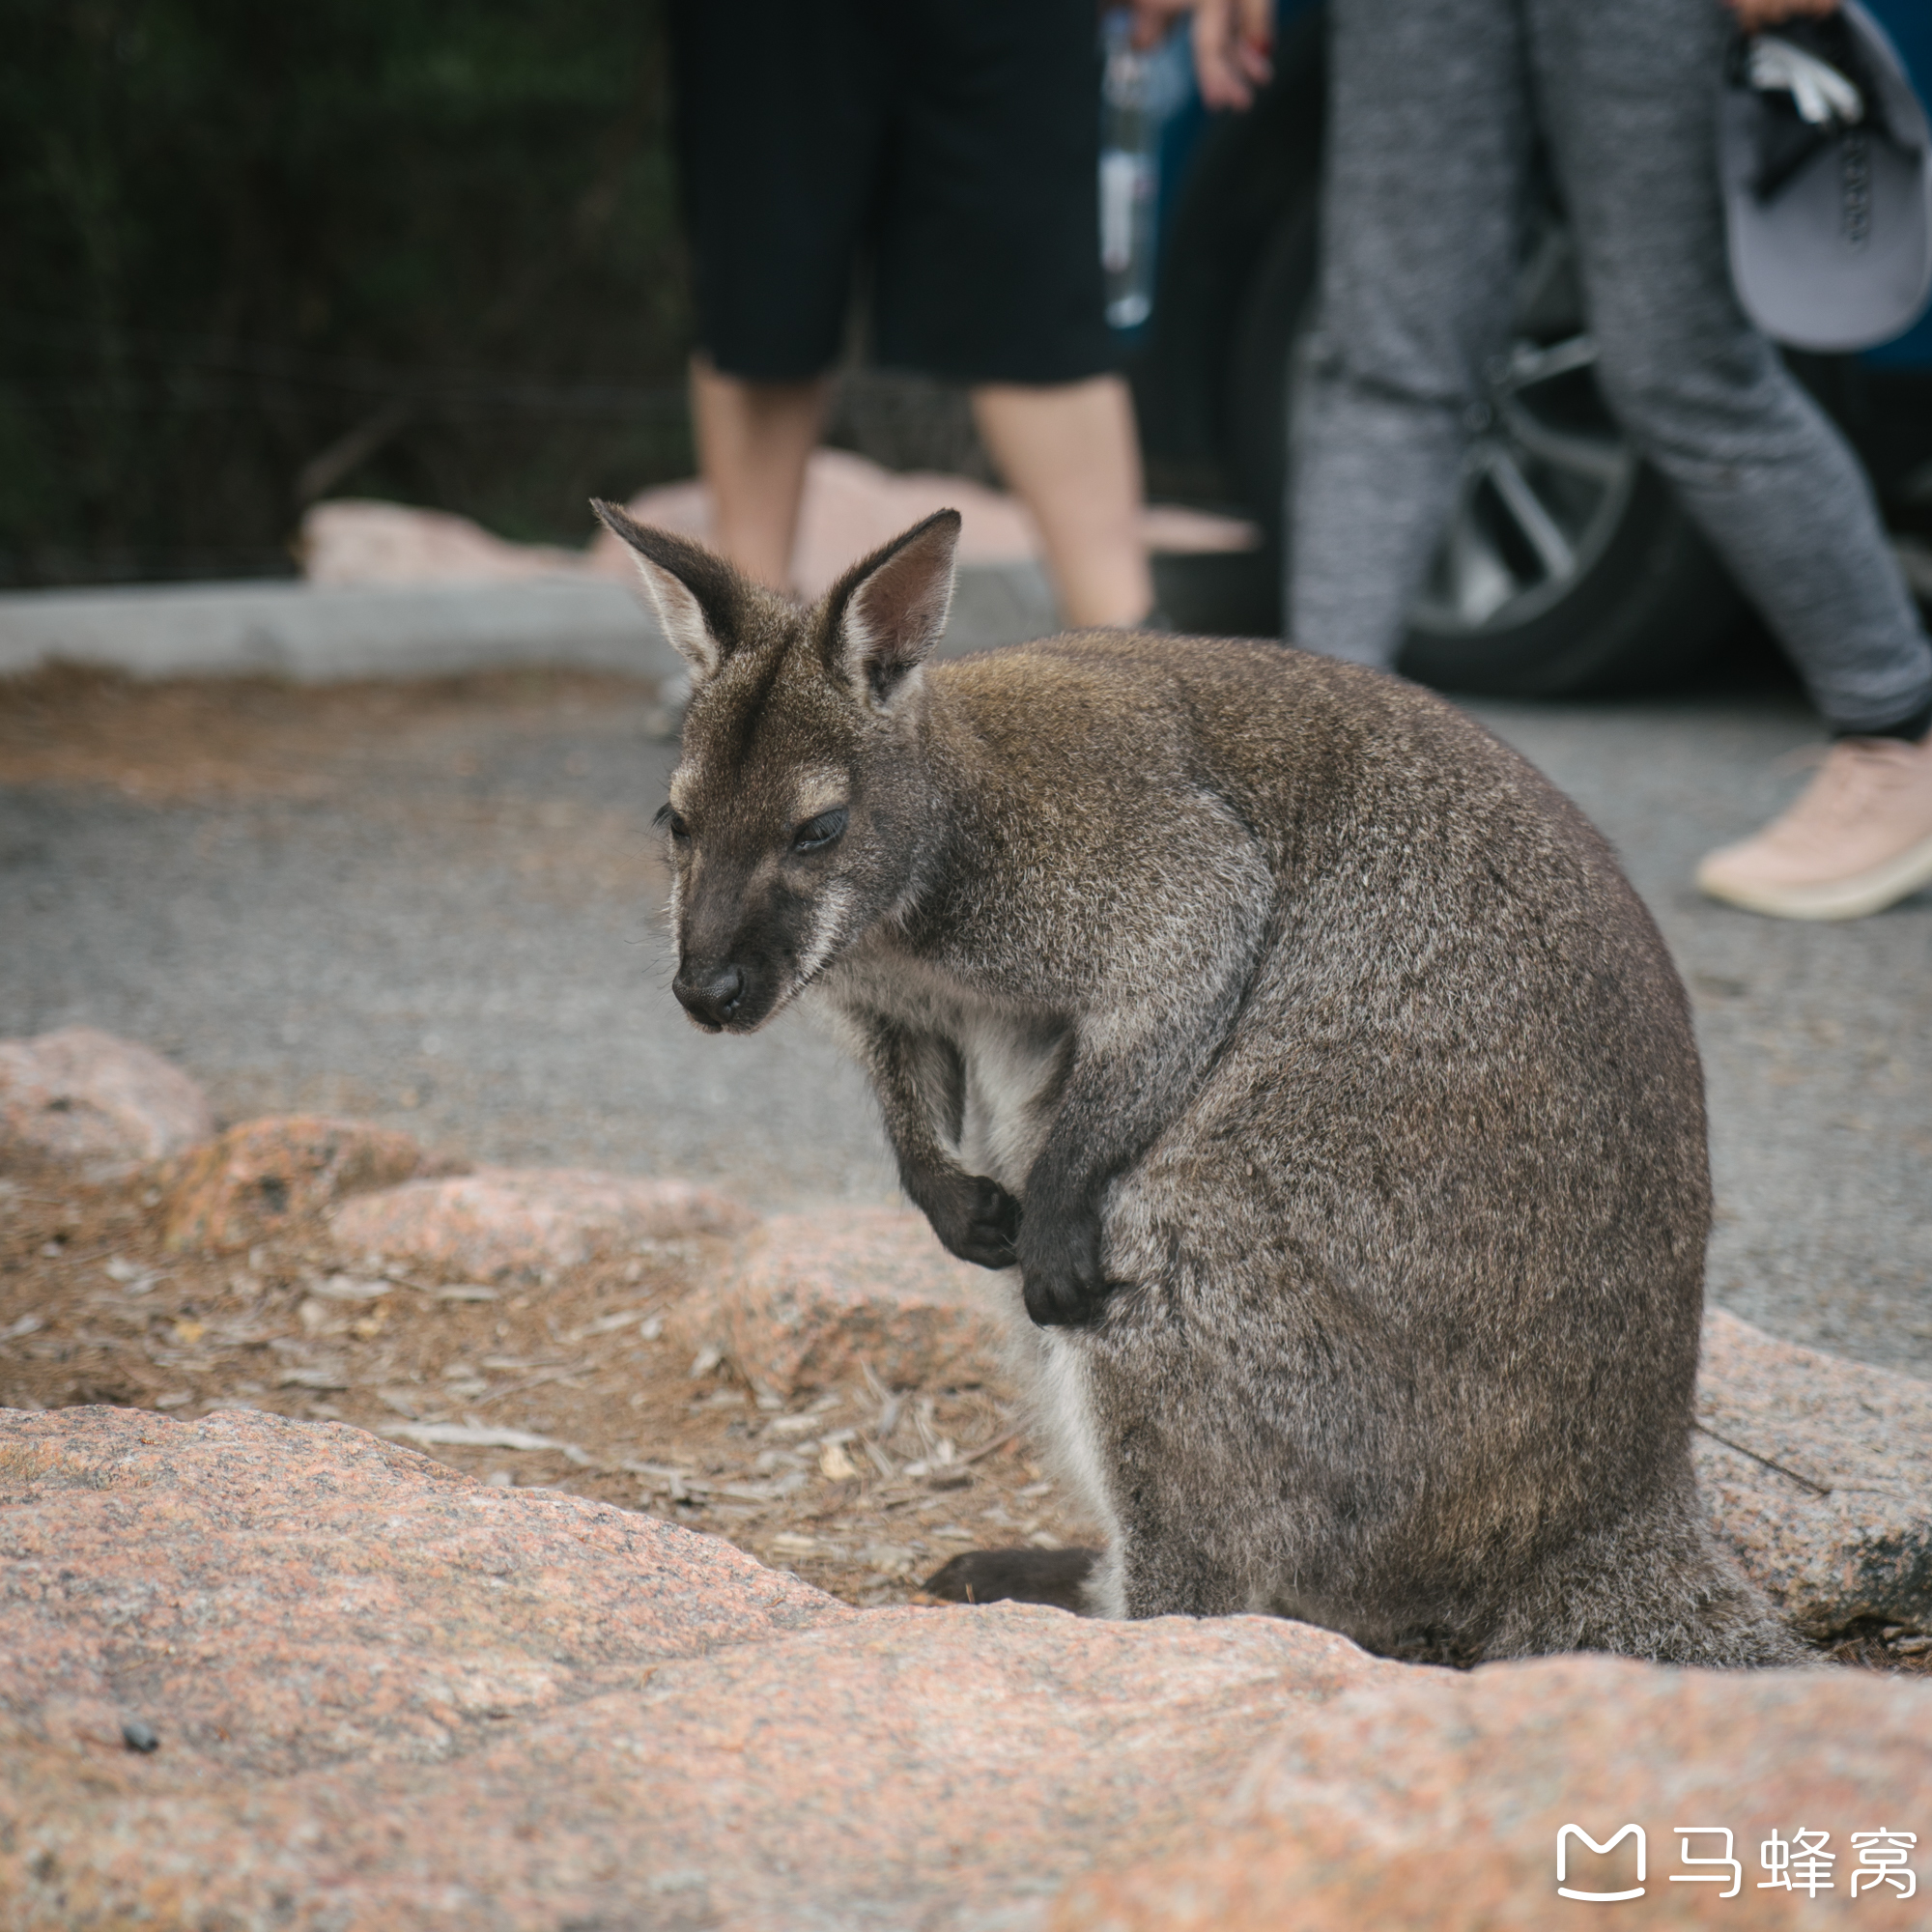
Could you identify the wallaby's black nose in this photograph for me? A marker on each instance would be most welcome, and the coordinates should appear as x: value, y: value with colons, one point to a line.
x: 711, y: 997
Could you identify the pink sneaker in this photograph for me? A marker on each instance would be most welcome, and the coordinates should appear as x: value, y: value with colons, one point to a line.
x: 1855, y: 840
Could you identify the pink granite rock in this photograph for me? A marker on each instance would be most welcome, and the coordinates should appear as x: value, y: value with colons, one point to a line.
x: 83, y: 1094
x: 810, y: 1295
x: 257, y: 1177
x: 1818, y: 1472
x: 501, y: 1220
x: 849, y: 506
x: 299, y: 1596
x: 1436, y: 1801
x: 388, y: 1697
x: 354, y: 541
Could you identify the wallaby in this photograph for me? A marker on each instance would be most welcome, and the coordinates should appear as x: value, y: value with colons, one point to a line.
x: 1305, y: 1050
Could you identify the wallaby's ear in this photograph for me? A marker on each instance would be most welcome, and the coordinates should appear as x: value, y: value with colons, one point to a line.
x: 887, y: 612
x: 697, y: 595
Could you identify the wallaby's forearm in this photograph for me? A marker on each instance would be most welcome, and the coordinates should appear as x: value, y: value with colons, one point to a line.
x: 972, y: 1215
x: 1124, y: 1087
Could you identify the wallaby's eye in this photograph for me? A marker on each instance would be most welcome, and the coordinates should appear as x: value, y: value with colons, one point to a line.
x: 819, y: 832
x: 672, y: 820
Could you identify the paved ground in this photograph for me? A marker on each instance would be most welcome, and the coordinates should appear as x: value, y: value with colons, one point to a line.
x: 1817, y: 1039
x: 435, y: 907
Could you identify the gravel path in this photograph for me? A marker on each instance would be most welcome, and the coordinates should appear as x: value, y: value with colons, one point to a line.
x: 436, y: 908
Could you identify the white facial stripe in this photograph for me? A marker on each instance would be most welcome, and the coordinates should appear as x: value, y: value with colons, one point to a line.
x: 827, y: 918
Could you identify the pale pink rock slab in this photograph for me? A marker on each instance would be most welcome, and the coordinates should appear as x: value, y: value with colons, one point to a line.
x: 259, y: 1178
x: 849, y: 507
x: 1818, y: 1472
x: 357, y: 541
x: 808, y: 1297
x: 284, y: 1596
x: 1434, y: 1802
x: 389, y: 1697
x: 82, y: 1094
x: 502, y: 1221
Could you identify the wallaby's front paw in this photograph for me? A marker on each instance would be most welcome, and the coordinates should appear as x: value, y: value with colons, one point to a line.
x: 1060, y: 1262
x: 975, y: 1219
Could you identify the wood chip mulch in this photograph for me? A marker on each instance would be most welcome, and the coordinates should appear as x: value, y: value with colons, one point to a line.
x: 861, y: 1489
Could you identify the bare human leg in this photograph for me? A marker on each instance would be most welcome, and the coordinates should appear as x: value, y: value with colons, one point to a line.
x: 754, y: 440
x: 1070, y: 452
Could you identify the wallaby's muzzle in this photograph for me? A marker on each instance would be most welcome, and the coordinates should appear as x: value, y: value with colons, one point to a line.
x: 710, y: 995
x: 741, y: 941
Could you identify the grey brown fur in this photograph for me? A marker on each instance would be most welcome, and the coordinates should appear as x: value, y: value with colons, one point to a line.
x: 1306, y: 1049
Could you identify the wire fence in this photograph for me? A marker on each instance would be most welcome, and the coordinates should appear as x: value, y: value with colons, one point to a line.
x: 422, y: 249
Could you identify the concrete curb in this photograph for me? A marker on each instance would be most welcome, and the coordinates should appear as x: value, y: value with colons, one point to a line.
x: 313, y: 635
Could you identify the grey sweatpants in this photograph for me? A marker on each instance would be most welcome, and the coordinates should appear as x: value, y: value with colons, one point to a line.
x: 1433, y: 107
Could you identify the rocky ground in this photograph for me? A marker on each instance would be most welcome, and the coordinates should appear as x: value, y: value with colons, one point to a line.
x: 391, y: 1544
x: 861, y: 1488
x: 259, y: 1673
x: 824, y: 1390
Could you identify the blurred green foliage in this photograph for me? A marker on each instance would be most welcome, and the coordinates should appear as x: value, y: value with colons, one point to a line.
x: 424, y: 249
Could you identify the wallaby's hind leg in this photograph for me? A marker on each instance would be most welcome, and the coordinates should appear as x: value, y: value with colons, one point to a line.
x: 1056, y: 1576
x: 1654, y: 1585
x: 1136, y: 1579
x: 1089, y: 1583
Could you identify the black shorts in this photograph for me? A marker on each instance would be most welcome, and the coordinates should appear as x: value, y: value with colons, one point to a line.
x: 945, y: 153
